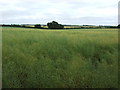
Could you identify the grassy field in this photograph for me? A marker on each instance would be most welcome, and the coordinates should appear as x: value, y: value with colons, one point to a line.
x: 60, y: 58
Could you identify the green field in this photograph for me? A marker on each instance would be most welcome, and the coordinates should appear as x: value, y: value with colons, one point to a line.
x: 39, y: 58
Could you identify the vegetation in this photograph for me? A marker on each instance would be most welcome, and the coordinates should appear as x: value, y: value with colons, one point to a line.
x: 37, y: 26
x: 118, y: 25
x: 54, y: 25
x: 60, y: 58
x: 12, y: 25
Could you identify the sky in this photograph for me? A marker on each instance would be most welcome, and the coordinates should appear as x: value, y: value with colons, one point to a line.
x: 77, y: 12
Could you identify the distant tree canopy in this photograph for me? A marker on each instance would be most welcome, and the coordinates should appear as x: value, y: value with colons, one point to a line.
x: 37, y: 26
x: 118, y: 25
x: 54, y: 25
x: 11, y: 25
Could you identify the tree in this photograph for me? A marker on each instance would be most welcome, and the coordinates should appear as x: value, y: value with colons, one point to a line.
x: 37, y: 26
x: 54, y: 25
x: 118, y: 25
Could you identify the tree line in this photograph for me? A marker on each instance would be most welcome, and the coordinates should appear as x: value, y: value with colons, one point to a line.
x: 56, y: 25
x: 50, y: 25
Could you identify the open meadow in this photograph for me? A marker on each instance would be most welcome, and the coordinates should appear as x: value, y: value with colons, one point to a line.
x: 44, y: 58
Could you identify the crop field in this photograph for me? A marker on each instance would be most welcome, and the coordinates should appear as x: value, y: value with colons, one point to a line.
x: 44, y: 58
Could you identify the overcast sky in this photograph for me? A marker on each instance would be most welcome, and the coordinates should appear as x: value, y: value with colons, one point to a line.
x: 93, y: 12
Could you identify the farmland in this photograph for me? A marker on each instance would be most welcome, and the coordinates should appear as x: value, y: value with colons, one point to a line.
x: 43, y: 58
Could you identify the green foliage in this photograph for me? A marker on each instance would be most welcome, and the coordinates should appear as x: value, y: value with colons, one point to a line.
x: 37, y: 26
x: 118, y: 26
x: 54, y: 25
x: 59, y: 58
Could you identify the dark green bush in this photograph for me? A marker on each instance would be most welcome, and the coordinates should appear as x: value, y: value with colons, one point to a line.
x: 54, y: 25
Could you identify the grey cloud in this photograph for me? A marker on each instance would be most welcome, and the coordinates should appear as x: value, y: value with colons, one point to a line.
x: 78, y: 21
x: 34, y: 10
x: 14, y: 14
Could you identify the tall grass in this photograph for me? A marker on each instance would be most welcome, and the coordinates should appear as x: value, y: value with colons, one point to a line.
x: 57, y: 59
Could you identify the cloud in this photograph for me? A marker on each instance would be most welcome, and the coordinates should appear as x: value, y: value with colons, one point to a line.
x: 64, y: 11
